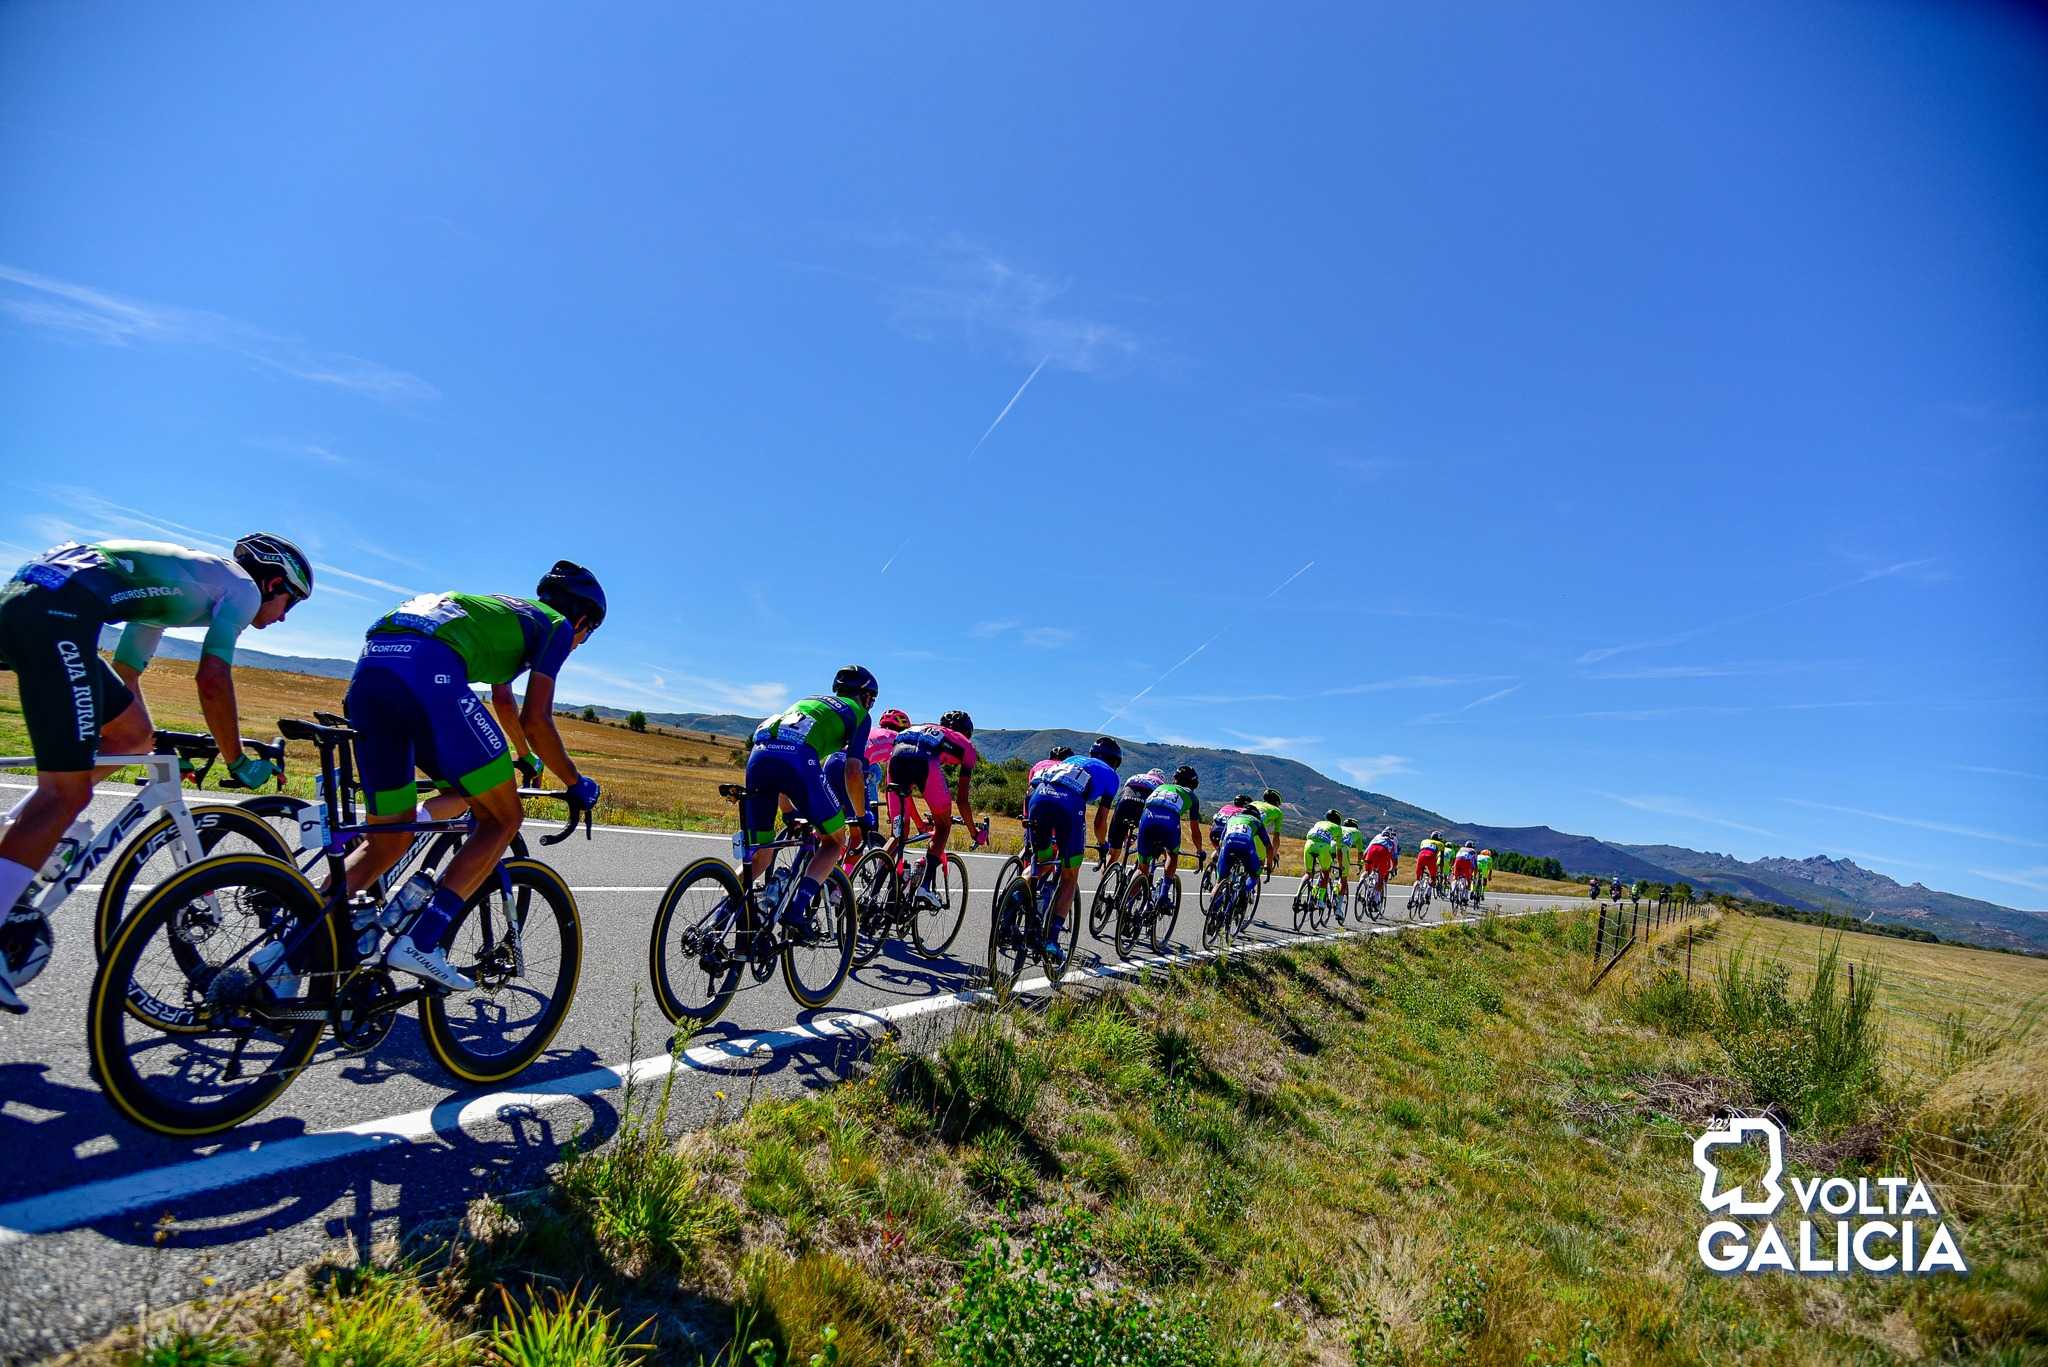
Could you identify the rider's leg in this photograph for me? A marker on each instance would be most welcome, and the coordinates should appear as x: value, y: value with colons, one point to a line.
x: 498, y: 814
x: 38, y: 825
x: 380, y: 850
x: 129, y: 733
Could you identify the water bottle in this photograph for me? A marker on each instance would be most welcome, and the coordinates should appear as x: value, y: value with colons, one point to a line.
x: 409, y: 900
x: 363, y: 919
x: 739, y: 847
x: 67, y: 850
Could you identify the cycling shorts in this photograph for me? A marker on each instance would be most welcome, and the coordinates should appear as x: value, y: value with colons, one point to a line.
x: 1320, y: 854
x: 1123, y: 820
x: 50, y: 639
x: 791, y: 769
x: 1057, y: 821
x: 1463, y: 868
x: 921, y: 775
x: 1379, y: 859
x: 1425, y: 863
x: 410, y: 704
x: 1157, y: 834
x: 835, y: 779
x: 1242, y: 847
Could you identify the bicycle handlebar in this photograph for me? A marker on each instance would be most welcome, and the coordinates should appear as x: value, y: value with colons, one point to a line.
x: 202, y: 748
x: 576, y: 813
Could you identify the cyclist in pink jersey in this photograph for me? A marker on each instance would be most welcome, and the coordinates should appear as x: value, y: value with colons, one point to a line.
x: 920, y: 760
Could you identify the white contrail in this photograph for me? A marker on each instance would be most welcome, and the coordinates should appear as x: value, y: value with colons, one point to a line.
x: 977, y: 446
x: 1191, y: 654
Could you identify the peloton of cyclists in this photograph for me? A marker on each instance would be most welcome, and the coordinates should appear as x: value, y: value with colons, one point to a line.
x: 1130, y: 807
x: 76, y: 706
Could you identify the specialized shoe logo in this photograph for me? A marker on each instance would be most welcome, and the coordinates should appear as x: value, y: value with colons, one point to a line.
x: 1877, y: 1225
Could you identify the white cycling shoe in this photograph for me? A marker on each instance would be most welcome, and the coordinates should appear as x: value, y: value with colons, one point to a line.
x: 407, y: 957
x: 927, y: 898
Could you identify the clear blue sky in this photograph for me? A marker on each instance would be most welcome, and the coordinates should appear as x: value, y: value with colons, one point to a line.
x: 1660, y: 392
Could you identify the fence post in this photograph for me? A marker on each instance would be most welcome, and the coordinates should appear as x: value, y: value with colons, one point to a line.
x: 1600, y: 935
x: 1688, y: 958
x: 1852, y: 977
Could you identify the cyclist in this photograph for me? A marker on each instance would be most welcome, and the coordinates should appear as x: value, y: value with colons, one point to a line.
x: 1466, y: 862
x: 1484, y: 866
x: 1223, y: 814
x: 75, y: 705
x: 1245, y: 834
x: 1323, y: 849
x: 1059, y: 752
x: 1056, y: 819
x: 1383, y: 856
x: 1130, y: 806
x: 788, y: 761
x: 919, y: 762
x: 1354, y: 853
x: 1166, y: 804
x: 410, y: 703
x: 881, y: 739
x: 1427, y: 855
x: 1271, y: 814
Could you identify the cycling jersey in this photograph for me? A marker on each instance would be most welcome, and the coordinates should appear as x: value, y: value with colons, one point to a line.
x: 499, y: 637
x: 788, y: 761
x: 1243, y: 836
x: 1320, y: 847
x: 1381, y: 855
x: 935, y: 742
x: 1130, y: 806
x: 1325, y: 833
x: 1462, y: 865
x: 919, y: 758
x: 1270, y: 816
x: 411, y: 706
x: 1138, y: 787
x: 1056, y: 805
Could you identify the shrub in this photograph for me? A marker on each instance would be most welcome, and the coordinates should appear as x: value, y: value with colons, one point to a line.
x: 1039, y: 1305
x: 636, y: 721
x: 372, y: 1318
x: 1669, y: 1003
x: 562, y: 1330
x: 1818, y: 1057
x: 984, y: 1074
x: 190, y: 1348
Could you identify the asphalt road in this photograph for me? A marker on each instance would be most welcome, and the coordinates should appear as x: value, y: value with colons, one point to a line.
x: 98, y: 1217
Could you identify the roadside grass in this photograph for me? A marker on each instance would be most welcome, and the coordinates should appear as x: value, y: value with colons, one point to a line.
x: 1412, y: 1148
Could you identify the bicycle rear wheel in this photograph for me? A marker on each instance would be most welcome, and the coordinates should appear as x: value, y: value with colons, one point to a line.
x: 1304, y: 903
x: 1166, y: 918
x: 1011, y: 920
x: 1102, y: 903
x: 172, y: 1023
x: 521, y: 940
x: 935, y: 929
x: 693, y: 947
x: 877, y: 889
x: 1133, y: 910
x: 156, y: 853
x: 817, y: 957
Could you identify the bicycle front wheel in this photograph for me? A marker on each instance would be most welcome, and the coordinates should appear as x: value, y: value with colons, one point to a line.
x: 1009, y: 934
x: 877, y: 889
x: 1164, y: 919
x: 1102, y: 904
x: 197, y: 1020
x: 935, y: 928
x: 156, y: 853
x: 521, y: 940
x: 817, y: 957
x: 1304, y: 906
x: 1133, y: 909
x: 693, y: 947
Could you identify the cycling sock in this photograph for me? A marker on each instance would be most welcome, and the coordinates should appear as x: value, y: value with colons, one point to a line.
x: 435, y: 918
x: 14, y: 880
x: 800, y: 900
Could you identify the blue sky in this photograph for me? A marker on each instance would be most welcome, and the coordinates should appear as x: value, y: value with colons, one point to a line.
x: 1656, y: 395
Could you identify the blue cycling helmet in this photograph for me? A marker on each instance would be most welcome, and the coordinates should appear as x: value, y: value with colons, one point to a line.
x: 1108, y: 751
x: 574, y: 592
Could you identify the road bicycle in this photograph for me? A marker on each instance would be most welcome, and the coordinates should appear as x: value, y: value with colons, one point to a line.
x: 1109, y: 888
x: 715, y: 924
x: 1019, y: 914
x: 1371, y: 897
x: 884, y: 897
x: 1237, y: 893
x: 1461, y: 893
x: 1149, y: 904
x: 156, y: 821
x: 217, y: 989
x: 1419, y: 898
x: 1312, y: 898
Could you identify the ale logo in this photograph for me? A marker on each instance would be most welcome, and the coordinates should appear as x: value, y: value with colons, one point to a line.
x: 1885, y: 1225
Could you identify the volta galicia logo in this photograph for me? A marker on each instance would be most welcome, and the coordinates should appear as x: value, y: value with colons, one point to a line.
x: 1883, y: 1225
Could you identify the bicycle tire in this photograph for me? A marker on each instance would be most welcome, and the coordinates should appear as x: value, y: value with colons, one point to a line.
x: 1056, y: 977
x: 216, y: 821
x: 286, y: 898
x: 1163, y: 922
x: 832, y: 912
x: 1304, y: 902
x: 876, y: 893
x: 1102, y: 902
x: 1010, y: 918
x: 954, y: 892
x: 531, y: 884
x: 1222, y: 908
x: 1134, y: 903
x: 720, y: 921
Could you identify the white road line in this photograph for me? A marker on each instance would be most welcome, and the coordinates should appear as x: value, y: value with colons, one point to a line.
x: 95, y: 1201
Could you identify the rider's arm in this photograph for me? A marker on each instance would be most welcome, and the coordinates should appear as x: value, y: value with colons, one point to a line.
x: 507, y: 708
x: 962, y: 800
x: 1102, y: 823
x: 216, y: 682
x: 537, y: 724
x: 857, y: 786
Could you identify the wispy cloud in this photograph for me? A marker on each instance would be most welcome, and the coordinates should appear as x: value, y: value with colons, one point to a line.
x: 2002, y: 773
x: 1172, y: 669
x: 1226, y: 699
x: 385, y: 553
x: 111, y: 319
x: 1272, y: 744
x: 2035, y: 878
x: 1415, y: 681
x: 977, y: 292
x: 1888, y: 571
x: 1366, y: 769
x: 1493, y: 697
x: 1675, y: 807
x: 1046, y: 638
x: 1043, y: 637
x: 1940, y: 827
x: 1290, y: 579
x: 1733, y: 670
x: 976, y: 447
x: 300, y: 450
x: 987, y: 630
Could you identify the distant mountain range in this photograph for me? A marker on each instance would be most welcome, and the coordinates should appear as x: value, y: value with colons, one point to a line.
x: 1818, y: 883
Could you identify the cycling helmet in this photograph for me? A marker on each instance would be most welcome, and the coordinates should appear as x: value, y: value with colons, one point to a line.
x: 854, y: 681
x: 573, y: 591
x: 1243, y: 799
x: 1186, y: 776
x: 1333, y: 815
x: 1487, y: 853
x: 1352, y: 823
x: 895, y: 719
x: 1108, y: 751
x: 1387, y: 831
x: 1436, y: 835
x: 265, y: 557
x: 1061, y: 752
x: 1272, y: 796
x: 1156, y: 772
x: 956, y: 720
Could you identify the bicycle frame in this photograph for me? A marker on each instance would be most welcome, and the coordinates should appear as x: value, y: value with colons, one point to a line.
x: 160, y: 792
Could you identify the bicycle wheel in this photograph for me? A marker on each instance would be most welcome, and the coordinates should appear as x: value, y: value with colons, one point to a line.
x: 521, y: 939
x: 935, y: 928
x: 156, y: 853
x: 817, y: 957
x: 172, y: 1024
x: 693, y: 948
x: 876, y: 891
x: 1222, y: 910
x: 1304, y: 906
x: 1133, y: 910
x: 1165, y: 919
x: 1070, y: 933
x: 1011, y: 920
x: 1102, y: 903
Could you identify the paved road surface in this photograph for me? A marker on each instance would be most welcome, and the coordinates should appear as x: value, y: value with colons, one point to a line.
x: 97, y: 1216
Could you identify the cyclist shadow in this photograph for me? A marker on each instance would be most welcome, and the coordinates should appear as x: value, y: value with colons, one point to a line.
x: 903, y: 970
